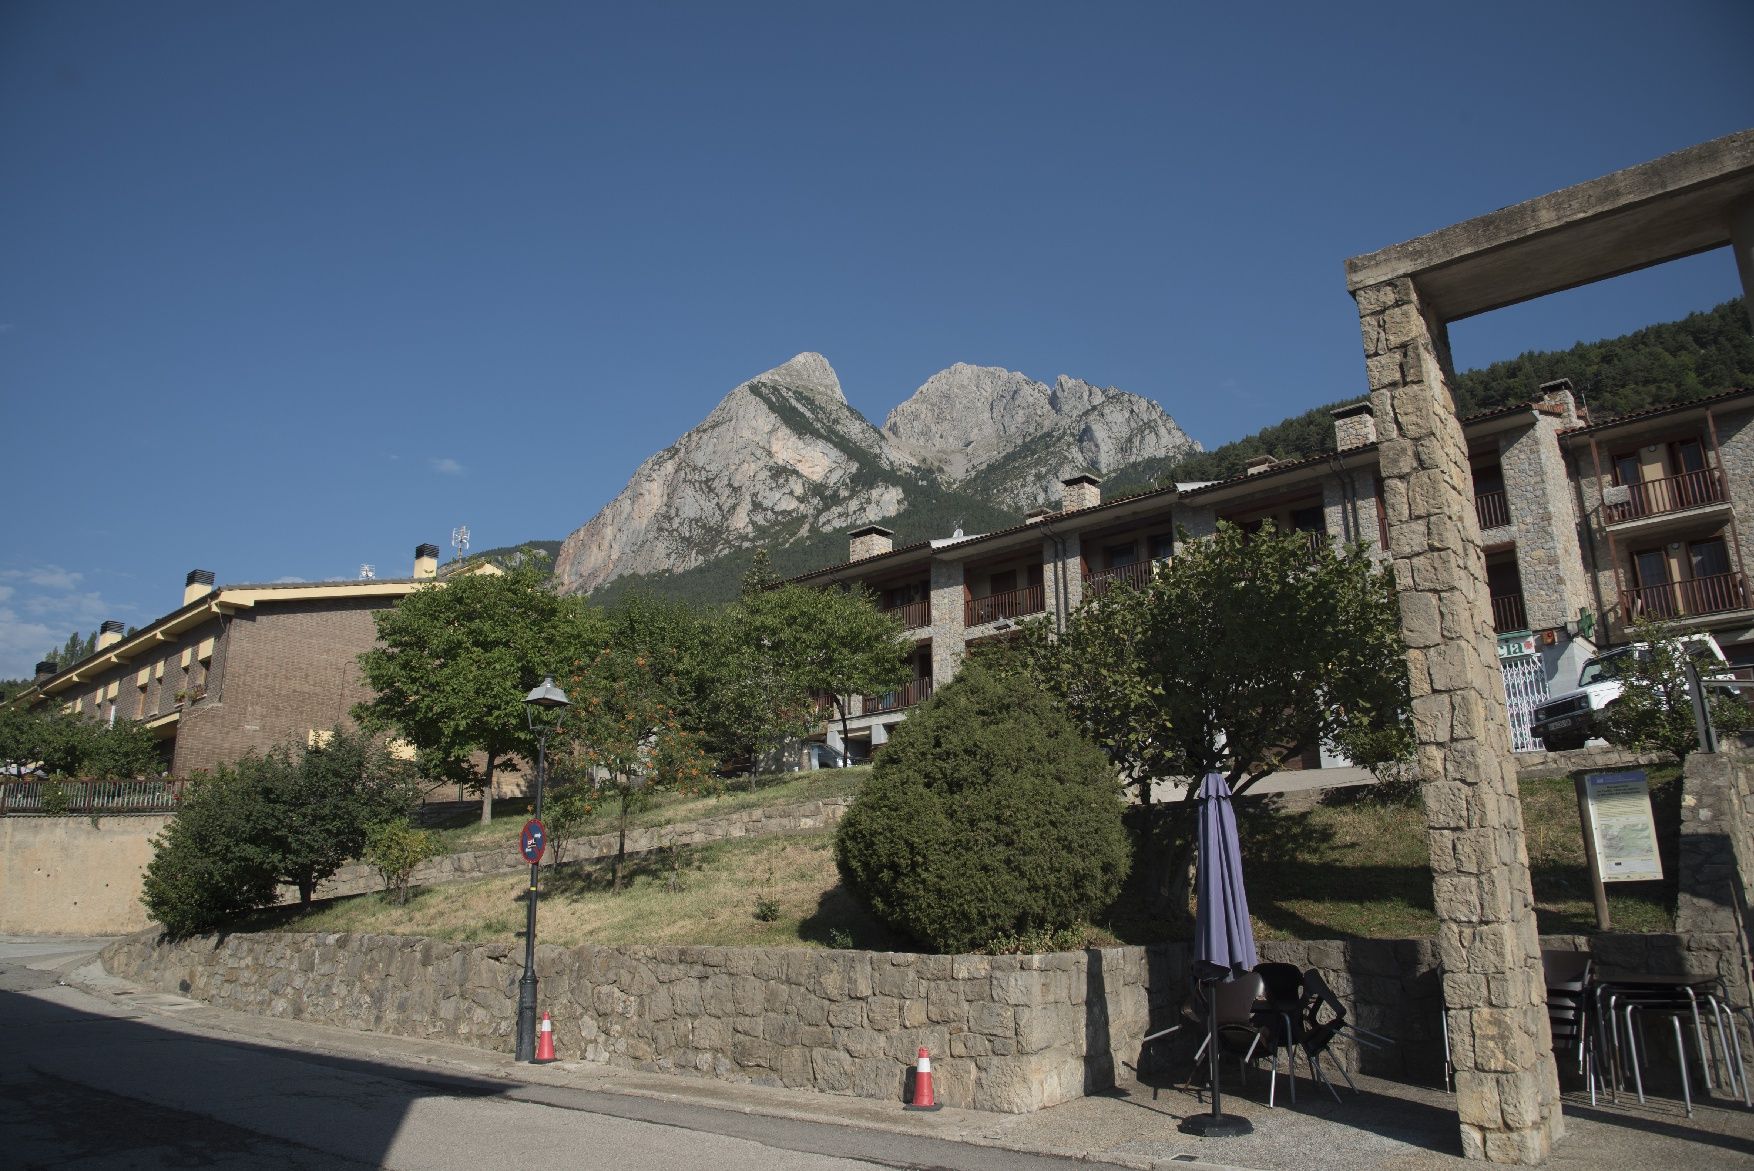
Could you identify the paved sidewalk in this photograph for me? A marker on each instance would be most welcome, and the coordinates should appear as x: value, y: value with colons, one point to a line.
x: 1386, y: 1127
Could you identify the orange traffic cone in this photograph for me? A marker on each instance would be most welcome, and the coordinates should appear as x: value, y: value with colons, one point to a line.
x: 923, y: 1098
x: 544, y: 1042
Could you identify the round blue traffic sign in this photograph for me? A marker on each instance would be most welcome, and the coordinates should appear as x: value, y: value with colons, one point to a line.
x: 533, y: 841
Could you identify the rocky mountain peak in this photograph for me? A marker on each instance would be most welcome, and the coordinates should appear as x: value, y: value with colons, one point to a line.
x: 807, y: 371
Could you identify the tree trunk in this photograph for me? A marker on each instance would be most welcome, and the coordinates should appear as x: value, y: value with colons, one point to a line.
x: 487, y: 793
x: 846, y: 755
x: 620, y: 847
x: 307, y: 887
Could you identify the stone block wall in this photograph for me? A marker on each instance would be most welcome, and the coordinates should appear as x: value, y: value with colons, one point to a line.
x: 1006, y: 1033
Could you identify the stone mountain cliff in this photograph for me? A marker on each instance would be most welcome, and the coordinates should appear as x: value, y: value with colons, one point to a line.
x: 784, y: 455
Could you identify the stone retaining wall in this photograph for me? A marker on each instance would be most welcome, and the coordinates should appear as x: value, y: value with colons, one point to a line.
x: 358, y: 878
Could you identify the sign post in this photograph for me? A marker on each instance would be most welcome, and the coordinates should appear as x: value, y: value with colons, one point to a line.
x: 1619, y: 832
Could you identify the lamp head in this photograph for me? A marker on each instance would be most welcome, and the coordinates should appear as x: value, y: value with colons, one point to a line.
x: 547, y: 696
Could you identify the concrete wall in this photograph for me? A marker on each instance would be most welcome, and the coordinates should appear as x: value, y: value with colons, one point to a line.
x: 65, y: 876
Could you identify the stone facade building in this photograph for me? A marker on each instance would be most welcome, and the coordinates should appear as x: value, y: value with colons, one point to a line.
x: 236, y: 668
x: 1567, y: 511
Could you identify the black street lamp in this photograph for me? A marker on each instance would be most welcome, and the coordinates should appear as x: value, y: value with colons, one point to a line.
x: 546, y: 698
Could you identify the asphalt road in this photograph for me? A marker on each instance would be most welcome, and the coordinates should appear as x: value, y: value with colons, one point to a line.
x: 86, y: 1083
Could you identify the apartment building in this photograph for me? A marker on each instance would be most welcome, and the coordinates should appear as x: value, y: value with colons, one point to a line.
x: 1583, y: 528
x: 236, y: 668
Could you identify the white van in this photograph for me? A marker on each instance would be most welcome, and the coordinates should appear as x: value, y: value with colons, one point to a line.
x: 1568, y: 720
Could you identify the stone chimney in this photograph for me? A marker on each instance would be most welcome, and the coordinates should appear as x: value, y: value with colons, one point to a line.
x: 47, y: 669
x: 425, y: 562
x: 109, y: 634
x: 1354, y: 426
x: 1259, y: 464
x: 1559, y: 393
x: 870, y: 541
x: 1082, y: 491
x: 198, y: 584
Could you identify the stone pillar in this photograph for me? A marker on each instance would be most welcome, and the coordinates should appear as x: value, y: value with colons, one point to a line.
x: 947, y: 614
x: 1742, y: 244
x: 1507, y: 1087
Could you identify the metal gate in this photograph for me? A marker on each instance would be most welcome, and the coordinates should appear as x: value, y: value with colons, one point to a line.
x: 1525, y: 688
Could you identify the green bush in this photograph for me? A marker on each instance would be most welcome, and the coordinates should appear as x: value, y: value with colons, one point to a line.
x: 394, y: 849
x: 988, y: 815
x: 290, y: 817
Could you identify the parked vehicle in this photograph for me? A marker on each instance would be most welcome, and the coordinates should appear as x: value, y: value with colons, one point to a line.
x: 1567, y: 721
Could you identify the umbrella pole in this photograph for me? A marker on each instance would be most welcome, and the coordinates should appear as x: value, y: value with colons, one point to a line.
x: 1217, y: 1124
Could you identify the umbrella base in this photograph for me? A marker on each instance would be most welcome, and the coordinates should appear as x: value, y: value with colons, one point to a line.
x: 1216, y: 1126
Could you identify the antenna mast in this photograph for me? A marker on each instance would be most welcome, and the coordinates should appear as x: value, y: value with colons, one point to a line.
x: 459, y: 542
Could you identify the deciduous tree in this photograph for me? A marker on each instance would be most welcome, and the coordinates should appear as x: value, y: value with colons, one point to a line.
x: 456, y: 659
x: 1235, y: 657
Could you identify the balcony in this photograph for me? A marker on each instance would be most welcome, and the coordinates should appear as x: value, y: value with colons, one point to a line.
x: 918, y: 691
x: 1136, y: 575
x: 912, y: 615
x: 1009, y: 604
x: 1681, y: 599
x: 1670, y: 494
x: 1492, y: 510
x: 1508, y: 614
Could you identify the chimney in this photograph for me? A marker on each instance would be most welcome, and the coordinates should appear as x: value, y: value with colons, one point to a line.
x: 1038, y: 514
x: 1354, y: 426
x: 425, y: 562
x: 1559, y: 393
x: 198, y: 584
x: 1259, y: 464
x: 109, y: 634
x: 47, y: 669
x: 870, y: 541
x: 1081, y: 491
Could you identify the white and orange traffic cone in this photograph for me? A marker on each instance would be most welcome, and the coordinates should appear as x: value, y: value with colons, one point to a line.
x: 544, y: 1042
x: 923, y: 1097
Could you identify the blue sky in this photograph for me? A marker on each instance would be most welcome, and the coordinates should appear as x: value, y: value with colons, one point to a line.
x: 288, y: 288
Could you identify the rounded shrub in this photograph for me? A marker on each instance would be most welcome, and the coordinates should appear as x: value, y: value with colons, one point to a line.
x: 987, y: 815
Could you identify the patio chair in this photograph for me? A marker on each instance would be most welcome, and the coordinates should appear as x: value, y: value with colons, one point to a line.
x: 1279, y: 1017
x: 1324, y: 1019
x: 1235, y: 1002
x: 1568, y: 975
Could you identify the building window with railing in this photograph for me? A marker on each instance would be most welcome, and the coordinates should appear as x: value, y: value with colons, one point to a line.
x: 1684, y: 580
x: 1005, y: 597
x: 1662, y: 478
x: 1491, y: 506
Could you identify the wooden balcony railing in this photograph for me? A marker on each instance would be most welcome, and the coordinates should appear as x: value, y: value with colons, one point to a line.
x: 1009, y: 604
x: 913, y: 615
x: 890, y: 701
x: 1508, y: 614
x: 1492, y: 509
x: 89, y: 798
x: 1101, y: 581
x: 1671, y: 494
x: 1702, y: 595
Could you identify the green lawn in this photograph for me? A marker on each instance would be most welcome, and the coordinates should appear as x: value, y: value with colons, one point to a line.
x: 1348, y: 869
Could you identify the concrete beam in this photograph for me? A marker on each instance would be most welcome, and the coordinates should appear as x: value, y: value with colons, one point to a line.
x: 1675, y: 206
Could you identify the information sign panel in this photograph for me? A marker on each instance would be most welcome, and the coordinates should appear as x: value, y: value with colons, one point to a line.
x: 1617, y: 806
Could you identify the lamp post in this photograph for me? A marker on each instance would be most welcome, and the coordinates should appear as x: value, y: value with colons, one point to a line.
x: 546, y: 698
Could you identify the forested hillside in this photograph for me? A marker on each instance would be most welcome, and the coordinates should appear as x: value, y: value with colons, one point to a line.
x: 1679, y: 361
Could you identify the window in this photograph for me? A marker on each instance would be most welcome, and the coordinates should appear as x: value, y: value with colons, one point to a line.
x: 1119, y: 555
x: 1162, y: 546
x: 1709, y: 558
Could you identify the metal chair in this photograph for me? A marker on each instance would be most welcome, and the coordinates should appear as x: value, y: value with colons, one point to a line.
x: 1319, y: 1031
x: 1568, y: 976
x: 1280, y: 1019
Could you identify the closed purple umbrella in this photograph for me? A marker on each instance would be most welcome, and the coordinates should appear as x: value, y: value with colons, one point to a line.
x: 1224, y: 938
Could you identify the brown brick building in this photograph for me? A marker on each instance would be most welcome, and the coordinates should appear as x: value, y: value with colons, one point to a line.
x: 237, y: 668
